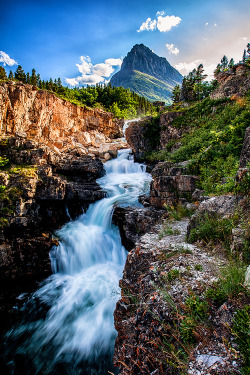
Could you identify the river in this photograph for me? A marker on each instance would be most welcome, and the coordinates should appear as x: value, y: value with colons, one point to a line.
x: 67, y: 326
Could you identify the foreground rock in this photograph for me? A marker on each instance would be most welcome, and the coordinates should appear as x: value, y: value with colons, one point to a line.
x: 134, y: 222
x: 170, y: 184
x: 161, y: 273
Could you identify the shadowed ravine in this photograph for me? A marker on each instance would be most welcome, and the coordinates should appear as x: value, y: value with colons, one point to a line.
x: 67, y: 325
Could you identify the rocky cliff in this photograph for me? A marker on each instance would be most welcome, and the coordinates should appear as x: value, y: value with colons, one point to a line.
x: 147, y: 74
x: 235, y: 81
x: 52, y: 121
x: 50, y: 158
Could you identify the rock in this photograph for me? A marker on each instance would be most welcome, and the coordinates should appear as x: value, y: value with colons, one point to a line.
x: 234, y: 83
x: 222, y: 206
x: 51, y: 188
x: 40, y: 116
x: 135, y: 135
x: 133, y: 222
x: 83, y: 192
x: 168, y: 132
x: 169, y: 184
x: 245, y: 152
x: 198, y: 195
x: 86, y: 167
x: 239, y: 239
x: 4, y: 179
x: 247, y: 278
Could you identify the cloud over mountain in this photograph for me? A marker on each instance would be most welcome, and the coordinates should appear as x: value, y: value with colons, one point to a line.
x: 162, y: 23
x: 93, y: 74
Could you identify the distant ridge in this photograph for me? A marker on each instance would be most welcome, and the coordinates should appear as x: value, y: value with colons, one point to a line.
x: 147, y: 74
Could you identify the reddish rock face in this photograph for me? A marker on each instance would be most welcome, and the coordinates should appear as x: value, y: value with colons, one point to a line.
x: 232, y: 82
x: 50, y: 120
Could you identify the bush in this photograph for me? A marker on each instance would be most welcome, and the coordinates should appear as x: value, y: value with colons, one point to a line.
x: 212, y: 229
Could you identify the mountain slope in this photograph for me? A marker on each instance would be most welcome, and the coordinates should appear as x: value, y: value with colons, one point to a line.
x: 147, y: 74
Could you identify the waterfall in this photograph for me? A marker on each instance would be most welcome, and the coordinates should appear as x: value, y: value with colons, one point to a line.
x: 68, y: 325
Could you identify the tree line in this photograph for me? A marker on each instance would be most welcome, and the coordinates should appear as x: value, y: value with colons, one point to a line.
x: 120, y: 101
x: 194, y: 88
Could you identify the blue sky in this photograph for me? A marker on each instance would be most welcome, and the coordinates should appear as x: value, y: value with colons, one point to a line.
x: 84, y: 42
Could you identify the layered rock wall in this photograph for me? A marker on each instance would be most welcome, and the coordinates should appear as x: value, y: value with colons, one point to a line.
x: 50, y: 120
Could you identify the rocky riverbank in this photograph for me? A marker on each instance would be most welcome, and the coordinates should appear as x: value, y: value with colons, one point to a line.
x: 181, y: 296
x: 51, y: 153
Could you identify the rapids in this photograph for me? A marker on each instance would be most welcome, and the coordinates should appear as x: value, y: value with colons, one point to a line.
x: 67, y: 325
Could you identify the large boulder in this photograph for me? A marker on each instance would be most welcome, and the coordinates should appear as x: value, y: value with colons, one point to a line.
x: 135, y: 221
x: 170, y: 184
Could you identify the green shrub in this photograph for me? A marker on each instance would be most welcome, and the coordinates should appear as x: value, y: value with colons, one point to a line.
x: 212, y: 229
x: 229, y: 286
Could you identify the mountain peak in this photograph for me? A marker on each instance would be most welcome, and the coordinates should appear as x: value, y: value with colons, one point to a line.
x: 141, y: 64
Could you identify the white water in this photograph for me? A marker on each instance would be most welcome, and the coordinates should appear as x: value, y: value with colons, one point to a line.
x: 70, y: 327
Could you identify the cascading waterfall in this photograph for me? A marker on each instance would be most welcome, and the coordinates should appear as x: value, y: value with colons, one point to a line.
x: 67, y: 325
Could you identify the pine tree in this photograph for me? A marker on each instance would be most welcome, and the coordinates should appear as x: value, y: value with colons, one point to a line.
x: 224, y: 62
x: 2, y: 73
x: 231, y: 63
x: 20, y: 75
x: 27, y: 78
x: 33, y: 78
x: 244, y: 58
x: 176, y: 94
x: 217, y: 70
x: 11, y: 75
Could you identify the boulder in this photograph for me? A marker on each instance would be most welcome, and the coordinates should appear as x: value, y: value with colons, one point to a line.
x: 170, y: 184
x: 135, y: 221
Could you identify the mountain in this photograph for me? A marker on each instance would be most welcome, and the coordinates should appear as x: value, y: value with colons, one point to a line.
x: 147, y: 74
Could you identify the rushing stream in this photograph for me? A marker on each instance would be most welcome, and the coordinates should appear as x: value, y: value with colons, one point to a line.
x: 67, y: 325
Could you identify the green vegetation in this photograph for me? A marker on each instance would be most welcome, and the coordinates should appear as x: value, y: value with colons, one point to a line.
x: 8, y: 197
x: 213, y: 132
x: 212, y: 229
x: 178, y: 212
x: 241, y: 330
x: 120, y: 101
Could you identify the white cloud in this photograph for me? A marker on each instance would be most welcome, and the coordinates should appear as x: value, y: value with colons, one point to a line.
x: 172, y: 49
x: 103, y: 69
x: 72, y: 81
x: 93, y: 74
x: 90, y: 79
x: 166, y: 23
x: 85, y: 67
x: 209, y: 70
x: 148, y: 25
x: 186, y: 68
x: 163, y: 24
x: 160, y: 13
x: 206, y: 23
x: 6, y: 60
x: 114, y: 62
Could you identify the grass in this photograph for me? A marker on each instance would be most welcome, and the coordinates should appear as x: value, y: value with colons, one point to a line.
x: 212, y: 229
x: 167, y: 230
x: 178, y: 212
x: 230, y: 285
